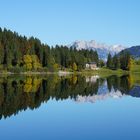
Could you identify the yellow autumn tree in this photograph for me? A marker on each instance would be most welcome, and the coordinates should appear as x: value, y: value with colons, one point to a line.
x: 31, y: 62
x: 74, y: 79
x: 35, y: 62
x: 74, y: 66
x: 130, y: 63
x: 130, y: 81
x: 27, y: 59
x: 36, y: 84
x: 28, y: 85
x: 31, y: 85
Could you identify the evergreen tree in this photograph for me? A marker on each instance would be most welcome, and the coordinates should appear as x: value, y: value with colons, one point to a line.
x: 125, y: 61
x: 14, y: 48
x: 115, y: 62
x: 109, y: 61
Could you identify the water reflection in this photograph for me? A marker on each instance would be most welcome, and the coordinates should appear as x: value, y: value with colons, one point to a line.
x: 19, y: 93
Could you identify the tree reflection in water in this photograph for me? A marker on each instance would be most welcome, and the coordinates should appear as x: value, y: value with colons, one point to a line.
x: 20, y: 93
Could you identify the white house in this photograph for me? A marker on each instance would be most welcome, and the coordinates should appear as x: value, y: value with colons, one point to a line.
x: 92, y: 66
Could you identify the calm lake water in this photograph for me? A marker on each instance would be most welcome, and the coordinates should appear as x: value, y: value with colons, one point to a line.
x: 70, y: 108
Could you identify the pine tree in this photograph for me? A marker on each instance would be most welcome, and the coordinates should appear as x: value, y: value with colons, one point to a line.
x: 13, y: 49
x: 109, y: 61
x: 125, y: 61
x: 115, y: 62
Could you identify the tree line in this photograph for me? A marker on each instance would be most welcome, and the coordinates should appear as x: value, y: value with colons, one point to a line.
x: 121, y: 61
x: 19, y: 53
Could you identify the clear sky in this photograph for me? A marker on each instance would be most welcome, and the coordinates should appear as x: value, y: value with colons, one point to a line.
x: 64, y: 21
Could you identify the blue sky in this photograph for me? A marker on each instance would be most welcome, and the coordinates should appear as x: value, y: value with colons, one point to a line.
x: 64, y: 21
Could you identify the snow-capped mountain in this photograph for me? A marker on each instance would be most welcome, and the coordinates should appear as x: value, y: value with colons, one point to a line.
x: 102, y: 49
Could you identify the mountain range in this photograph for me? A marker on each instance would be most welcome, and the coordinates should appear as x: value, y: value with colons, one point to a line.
x: 102, y: 49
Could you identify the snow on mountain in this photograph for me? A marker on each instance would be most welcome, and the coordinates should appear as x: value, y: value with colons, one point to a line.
x: 102, y: 49
x: 103, y: 93
x: 94, y: 98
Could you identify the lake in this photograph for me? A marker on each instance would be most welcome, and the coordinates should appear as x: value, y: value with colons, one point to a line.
x: 71, y: 107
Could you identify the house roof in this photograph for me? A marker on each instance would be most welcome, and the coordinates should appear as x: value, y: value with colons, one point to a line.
x: 94, y: 63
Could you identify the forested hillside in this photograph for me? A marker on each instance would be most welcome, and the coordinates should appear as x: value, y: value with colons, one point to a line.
x: 19, y: 53
x: 133, y: 51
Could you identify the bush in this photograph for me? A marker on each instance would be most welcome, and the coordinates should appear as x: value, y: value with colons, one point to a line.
x: 15, y: 69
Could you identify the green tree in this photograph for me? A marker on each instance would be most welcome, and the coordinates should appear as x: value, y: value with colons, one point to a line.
x: 101, y: 63
x: 109, y: 61
x: 115, y: 62
x: 1, y: 54
x: 14, y: 51
x: 125, y: 61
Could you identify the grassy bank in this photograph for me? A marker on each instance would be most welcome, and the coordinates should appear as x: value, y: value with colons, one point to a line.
x: 101, y: 72
x: 106, y: 72
x: 135, y: 69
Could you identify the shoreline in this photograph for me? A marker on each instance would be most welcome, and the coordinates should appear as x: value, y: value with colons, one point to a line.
x: 102, y: 71
x: 63, y: 73
x: 36, y: 73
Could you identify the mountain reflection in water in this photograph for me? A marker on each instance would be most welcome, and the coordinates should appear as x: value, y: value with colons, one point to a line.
x: 20, y: 93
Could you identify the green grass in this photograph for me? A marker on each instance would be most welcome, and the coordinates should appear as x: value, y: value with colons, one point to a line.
x: 135, y: 69
x: 104, y: 72
x: 135, y: 74
x: 136, y: 78
x: 107, y: 72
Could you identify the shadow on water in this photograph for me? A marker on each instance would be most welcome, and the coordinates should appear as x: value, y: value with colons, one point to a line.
x: 22, y: 92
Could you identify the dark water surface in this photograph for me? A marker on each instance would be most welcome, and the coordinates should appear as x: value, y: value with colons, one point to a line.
x: 69, y: 108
